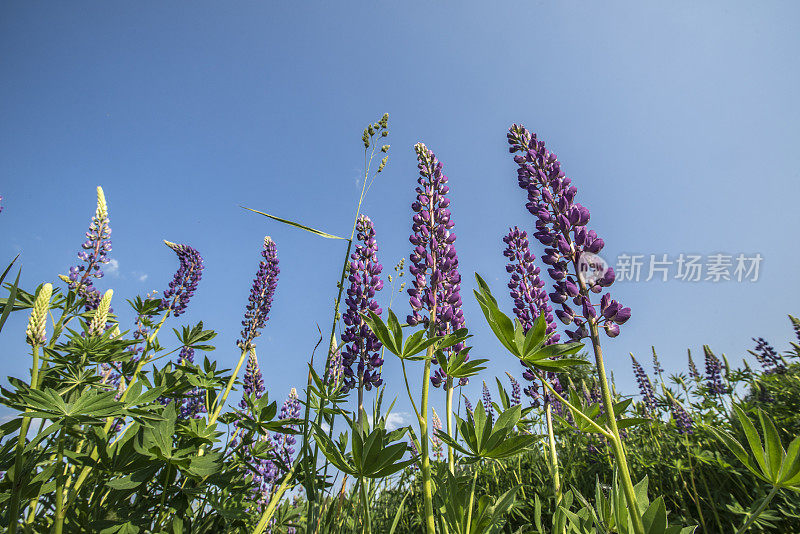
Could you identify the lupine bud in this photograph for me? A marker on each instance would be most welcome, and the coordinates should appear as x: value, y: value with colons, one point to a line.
x: 645, y: 386
x: 261, y: 295
x: 98, y: 324
x: 35, y: 332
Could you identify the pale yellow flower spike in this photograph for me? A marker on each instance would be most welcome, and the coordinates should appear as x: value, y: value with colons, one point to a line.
x: 98, y: 324
x: 38, y: 321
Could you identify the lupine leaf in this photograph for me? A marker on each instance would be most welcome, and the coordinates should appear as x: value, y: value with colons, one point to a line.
x: 753, y: 439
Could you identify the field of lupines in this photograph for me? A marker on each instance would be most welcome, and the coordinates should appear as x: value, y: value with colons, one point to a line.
x: 125, y: 429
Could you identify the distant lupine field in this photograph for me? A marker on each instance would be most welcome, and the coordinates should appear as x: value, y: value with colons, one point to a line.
x: 134, y: 428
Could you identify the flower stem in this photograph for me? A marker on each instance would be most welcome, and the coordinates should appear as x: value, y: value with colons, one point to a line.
x: 427, y: 484
x: 274, y: 500
x: 451, y: 461
x: 551, y: 442
x: 758, y: 511
x: 228, y: 388
x: 58, y: 525
x: 471, y: 501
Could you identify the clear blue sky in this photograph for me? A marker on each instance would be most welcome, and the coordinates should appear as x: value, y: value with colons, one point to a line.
x: 677, y: 121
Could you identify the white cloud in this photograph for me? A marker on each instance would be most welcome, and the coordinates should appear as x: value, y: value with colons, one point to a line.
x: 112, y: 268
x: 397, y: 419
x: 143, y: 277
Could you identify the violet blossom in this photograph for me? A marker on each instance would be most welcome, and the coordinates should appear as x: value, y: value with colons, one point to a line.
x: 261, y: 295
x: 184, y: 283
x: 768, y: 357
x: 645, y: 386
x: 361, y: 343
x: 436, y: 285
x: 488, y: 407
x: 561, y: 228
x: 713, y: 372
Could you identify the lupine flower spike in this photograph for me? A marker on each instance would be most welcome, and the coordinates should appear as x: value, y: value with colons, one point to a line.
x: 683, y: 420
x: 362, y: 344
x: 94, y: 254
x: 435, y: 440
x: 487, y: 403
x: 98, y: 323
x: 645, y: 386
x: 713, y: 372
x: 768, y: 357
x: 515, y: 391
x: 185, y: 281
x: 261, y: 295
x: 36, y: 331
x: 569, y: 245
x: 693, y: 372
x: 434, y: 262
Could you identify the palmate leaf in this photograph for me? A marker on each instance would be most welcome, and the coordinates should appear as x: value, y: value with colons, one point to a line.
x: 297, y: 225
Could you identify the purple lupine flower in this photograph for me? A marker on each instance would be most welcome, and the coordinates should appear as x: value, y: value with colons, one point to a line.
x: 253, y: 381
x: 713, y: 372
x: 683, y: 421
x: 657, y: 369
x: 768, y: 357
x: 561, y: 228
x: 645, y: 387
x: 467, y: 405
x: 194, y: 404
x: 515, y: 391
x: 361, y: 343
x: 434, y: 263
x: 527, y: 289
x: 435, y: 440
x: 414, y: 454
x: 285, y: 442
x: 93, y: 256
x: 795, y: 326
x: 335, y: 369
x: 487, y: 404
x: 693, y: 372
x: 261, y: 294
x: 185, y: 281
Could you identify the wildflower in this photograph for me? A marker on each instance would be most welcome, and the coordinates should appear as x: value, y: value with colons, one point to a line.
x: 515, y: 391
x: 261, y: 295
x: 253, y: 381
x: 36, y: 331
x: 437, y: 442
x: 467, y: 405
x: 561, y: 228
x: 185, y: 281
x: 645, y: 387
x: 713, y: 372
x: 98, y: 323
x: 766, y: 355
x: 194, y: 404
x: 94, y: 254
x: 487, y: 403
x: 683, y: 422
x: 285, y: 442
x: 657, y: 369
x: 693, y: 372
x: 362, y: 344
x: 436, y: 286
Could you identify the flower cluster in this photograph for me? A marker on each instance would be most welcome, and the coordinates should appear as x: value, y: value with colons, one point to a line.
x: 94, y: 254
x: 515, y: 391
x: 253, y: 381
x: 488, y: 407
x: 561, y: 228
x: 713, y: 373
x: 645, y: 386
x: 693, y: 372
x: 261, y: 294
x: 766, y: 355
x: 193, y: 405
x: 285, y: 442
x: 361, y: 344
x: 435, y: 440
x: 467, y: 405
x: 184, y: 283
x: 683, y: 421
x: 436, y: 287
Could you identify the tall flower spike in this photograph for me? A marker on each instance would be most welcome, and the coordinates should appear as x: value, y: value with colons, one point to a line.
x: 434, y: 263
x: 645, y: 386
x: 94, y: 254
x: 185, y: 281
x: 36, y: 330
x: 435, y: 440
x: 467, y: 405
x: 561, y: 228
x: 361, y: 344
x: 261, y: 295
x: 515, y: 391
x: 487, y: 403
x: 713, y: 372
x: 683, y: 420
x: 253, y: 382
x: 98, y: 323
x: 768, y: 357
x: 693, y: 372
x: 286, y: 442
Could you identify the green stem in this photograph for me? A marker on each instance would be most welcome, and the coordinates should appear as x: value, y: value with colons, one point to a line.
x: 553, y: 457
x: 58, y: 525
x: 367, y: 527
x: 427, y: 484
x: 451, y: 462
x: 273, y: 502
x: 13, y: 508
x: 220, y: 403
x: 758, y: 511
x: 471, y: 501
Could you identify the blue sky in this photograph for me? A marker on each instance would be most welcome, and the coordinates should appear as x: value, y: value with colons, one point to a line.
x: 678, y: 122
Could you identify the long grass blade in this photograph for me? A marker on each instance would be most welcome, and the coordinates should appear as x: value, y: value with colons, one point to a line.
x: 297, y: 225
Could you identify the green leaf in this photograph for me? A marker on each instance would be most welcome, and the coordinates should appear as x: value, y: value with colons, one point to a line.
x: 297, y: 225
x: 753, y: 439
x: 655, y: 517
x: 12, y: 295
